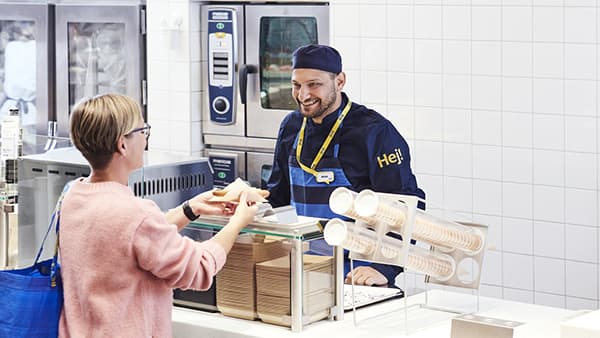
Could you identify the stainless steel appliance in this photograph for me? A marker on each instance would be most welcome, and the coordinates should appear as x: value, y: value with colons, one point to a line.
x: 166, y: 179
x: 100, y: 48
x: 247, y: 50
x: 8, y: 232
x: 27, y: 63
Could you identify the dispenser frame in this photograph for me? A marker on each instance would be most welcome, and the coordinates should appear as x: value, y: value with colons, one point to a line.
x: 381, y: 229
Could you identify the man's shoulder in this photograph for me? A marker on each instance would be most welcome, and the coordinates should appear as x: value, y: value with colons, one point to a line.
x: 292, y: 121
x: 365, y: 116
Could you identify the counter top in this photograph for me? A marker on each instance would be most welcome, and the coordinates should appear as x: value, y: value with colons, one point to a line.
x: 385, y: 319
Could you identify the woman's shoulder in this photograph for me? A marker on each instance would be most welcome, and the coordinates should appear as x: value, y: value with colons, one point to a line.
x: 111, y: 199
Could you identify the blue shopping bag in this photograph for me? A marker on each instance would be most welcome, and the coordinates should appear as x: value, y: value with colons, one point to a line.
x: 31, y: 298
x: 31, y: 301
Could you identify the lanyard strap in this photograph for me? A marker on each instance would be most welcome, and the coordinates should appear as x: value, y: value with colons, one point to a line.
x: 325, y: 144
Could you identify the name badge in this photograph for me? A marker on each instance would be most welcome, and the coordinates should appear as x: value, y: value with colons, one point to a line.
x: 325, y: 177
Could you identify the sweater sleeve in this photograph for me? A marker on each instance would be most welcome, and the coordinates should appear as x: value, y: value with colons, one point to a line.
x: 179, y: 261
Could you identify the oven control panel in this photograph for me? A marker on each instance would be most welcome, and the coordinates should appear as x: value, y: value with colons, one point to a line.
x: 221, y: 55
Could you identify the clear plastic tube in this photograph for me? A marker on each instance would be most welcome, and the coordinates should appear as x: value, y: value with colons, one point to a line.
x: 427, y: 228
x: 337, y: 233
x: 341, y: 201
x: 440, y: 266
x: 368, y: 204
x: 448, y: 234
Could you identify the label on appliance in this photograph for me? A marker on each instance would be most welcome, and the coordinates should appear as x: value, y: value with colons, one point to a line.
x: 224, y: 169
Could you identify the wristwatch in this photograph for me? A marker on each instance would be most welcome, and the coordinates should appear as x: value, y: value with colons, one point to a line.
x: 188, y: 212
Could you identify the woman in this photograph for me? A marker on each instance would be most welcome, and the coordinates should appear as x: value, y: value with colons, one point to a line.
x: 120, y: 255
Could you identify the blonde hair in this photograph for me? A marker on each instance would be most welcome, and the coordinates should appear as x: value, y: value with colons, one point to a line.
x: 97, y: 123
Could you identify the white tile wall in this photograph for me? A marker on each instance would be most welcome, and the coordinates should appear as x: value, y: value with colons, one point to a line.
x: 173, y: 92
x: 487, y: 197
x: 517, y: 235
x: 549, y: 299
x: 504, y: 96
x: 498, y: 100
x: 549, y: 275
x: 487, y: 162
x: 549, y: 239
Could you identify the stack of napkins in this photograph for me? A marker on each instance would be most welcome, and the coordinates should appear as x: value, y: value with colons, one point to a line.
x: 273, y: 289
x: 236, y: 287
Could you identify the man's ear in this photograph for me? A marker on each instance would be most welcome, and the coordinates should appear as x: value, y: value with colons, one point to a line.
x: 340, y: 80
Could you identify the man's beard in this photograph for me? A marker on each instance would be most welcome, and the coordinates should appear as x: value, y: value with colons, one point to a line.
x: 323, y: 106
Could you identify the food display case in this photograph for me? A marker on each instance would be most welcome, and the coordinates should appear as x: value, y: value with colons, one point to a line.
x: 285, y: 286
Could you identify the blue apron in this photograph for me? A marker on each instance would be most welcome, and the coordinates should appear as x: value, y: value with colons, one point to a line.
x: 311, y: 198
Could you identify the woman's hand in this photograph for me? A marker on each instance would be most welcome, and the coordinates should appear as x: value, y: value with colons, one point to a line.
x: 201, y: 205
x: 244, y: 211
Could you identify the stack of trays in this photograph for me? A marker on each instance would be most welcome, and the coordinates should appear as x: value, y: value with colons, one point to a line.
x: 273, y: 289
x: 236, y: 286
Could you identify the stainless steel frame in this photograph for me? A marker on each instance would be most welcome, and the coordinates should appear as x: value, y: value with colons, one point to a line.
x: 43, y: 15
x: 132, y: 16
x: 297, y: 233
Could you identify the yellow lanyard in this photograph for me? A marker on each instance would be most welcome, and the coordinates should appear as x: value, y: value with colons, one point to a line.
x: 327, y: 176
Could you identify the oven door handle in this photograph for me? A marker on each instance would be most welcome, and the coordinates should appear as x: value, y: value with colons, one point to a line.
x: 244, y: 71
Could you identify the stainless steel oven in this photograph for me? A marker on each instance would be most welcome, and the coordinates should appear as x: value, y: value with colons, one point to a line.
x: 100, y: 48
x: 27, y: 63
x: 247, y: 49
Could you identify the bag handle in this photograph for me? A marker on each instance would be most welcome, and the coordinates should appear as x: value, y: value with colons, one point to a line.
x: 54, y: 220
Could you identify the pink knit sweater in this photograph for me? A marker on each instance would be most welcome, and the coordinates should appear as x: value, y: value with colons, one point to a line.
x: 120, y: 260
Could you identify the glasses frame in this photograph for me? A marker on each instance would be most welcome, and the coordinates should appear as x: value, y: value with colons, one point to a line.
x: 144, y: 130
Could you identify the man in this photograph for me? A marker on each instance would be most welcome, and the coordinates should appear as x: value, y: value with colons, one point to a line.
x: 331, y: 142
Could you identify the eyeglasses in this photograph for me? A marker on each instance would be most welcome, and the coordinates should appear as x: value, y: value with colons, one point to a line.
x: 144, y: 130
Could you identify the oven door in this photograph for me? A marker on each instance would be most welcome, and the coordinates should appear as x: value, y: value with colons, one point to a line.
x: 99, y: 49
x: 259, y: 168
x: 273, y: 32
x: 25, y: 64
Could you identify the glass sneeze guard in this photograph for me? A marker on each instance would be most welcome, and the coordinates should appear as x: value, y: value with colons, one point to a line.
x: 305, y: 229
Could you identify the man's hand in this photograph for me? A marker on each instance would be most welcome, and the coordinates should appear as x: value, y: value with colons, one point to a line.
x: 366, y: 275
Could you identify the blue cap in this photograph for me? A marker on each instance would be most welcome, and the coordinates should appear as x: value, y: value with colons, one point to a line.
x: 317, y: 57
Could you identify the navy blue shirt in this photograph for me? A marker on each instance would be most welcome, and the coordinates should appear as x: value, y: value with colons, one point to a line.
x: 372, y: 154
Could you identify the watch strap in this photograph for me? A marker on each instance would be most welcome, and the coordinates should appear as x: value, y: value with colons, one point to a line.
x: 188, y: 212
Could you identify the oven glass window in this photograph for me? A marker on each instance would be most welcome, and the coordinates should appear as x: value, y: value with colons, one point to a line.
x: 279, y: 37
x: 97, y: 57
x: 18, y: 70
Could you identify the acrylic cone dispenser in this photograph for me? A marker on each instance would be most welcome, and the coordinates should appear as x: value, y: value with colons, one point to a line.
x: 454, y: 246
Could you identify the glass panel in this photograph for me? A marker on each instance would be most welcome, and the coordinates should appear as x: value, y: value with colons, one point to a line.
x: 279, y: 37
x: 96, y: 60
x: 18, y: 70
x: 305, y: 229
